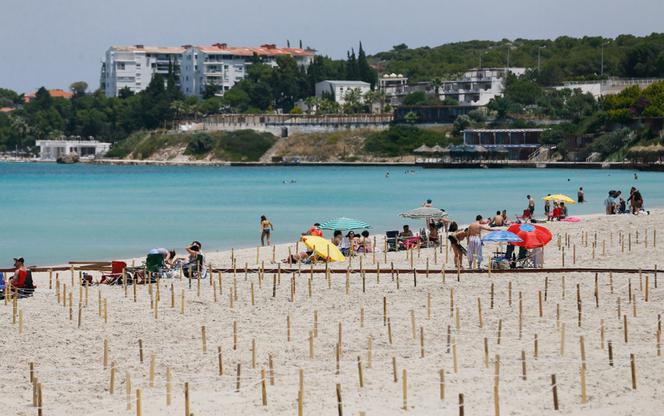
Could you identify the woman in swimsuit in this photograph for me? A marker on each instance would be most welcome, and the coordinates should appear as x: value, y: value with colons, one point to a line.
x: 455, y: 238
x: 266, y: 228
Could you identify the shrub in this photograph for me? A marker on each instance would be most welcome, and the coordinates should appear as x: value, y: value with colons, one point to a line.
x: 199, y: 144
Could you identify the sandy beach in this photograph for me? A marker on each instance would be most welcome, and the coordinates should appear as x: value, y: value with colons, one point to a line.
x: 389, y: 328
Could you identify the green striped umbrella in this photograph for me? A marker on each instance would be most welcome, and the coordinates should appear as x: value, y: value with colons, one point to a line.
x: 344, y: 224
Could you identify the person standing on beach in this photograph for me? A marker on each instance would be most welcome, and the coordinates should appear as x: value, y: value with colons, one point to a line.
x: 580, y: 195
x: 531, y: 205
x: 635, y: 200
x: 475, y: 242
x: 266, y: 229
x: 547, y: 206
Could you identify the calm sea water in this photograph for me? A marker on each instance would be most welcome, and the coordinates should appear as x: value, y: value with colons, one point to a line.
x: 54, y: 213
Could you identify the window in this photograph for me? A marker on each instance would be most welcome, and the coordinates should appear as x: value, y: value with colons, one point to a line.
x: 120, y: 66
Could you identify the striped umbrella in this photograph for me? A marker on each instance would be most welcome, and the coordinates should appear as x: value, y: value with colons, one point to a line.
x: 344, y: 224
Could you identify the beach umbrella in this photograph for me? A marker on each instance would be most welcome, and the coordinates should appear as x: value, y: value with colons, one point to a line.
x: 323, y: 248
x: 533, y: 236
x: 425, y: 213
x: 344, y: 224
x: 559, y: 198
x: 502, y: 236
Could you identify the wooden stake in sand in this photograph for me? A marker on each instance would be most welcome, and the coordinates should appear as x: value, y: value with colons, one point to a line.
x: 610, y: 353
x: 340, y: 408
x: 632, y: 365
x: 169, y: 386
x: 187, y: 407
x: 404, y: 388
x: 203, y: 339
x: 128, y: 389
x: 441, y: 373
x: 153, y: 364
x: 554, y: 388
x: 582, y: 377
x: 111, y: 387
x: 139, y: 407
x: 263, y: 386
x: 105, y: 359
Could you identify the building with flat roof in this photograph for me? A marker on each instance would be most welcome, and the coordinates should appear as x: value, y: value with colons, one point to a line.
x: 55, y: 149
x: 133, y: 66
x: 221, y: 65
x: 478, y: 86
x: 609, y: 86
x: 520, y: 143
x: 338, y: 89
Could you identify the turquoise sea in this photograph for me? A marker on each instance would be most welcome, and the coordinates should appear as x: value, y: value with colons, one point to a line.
x: 54, y: 213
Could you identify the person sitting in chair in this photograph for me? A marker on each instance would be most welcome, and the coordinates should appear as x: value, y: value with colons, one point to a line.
x: 195, y: 261
x: 18, y: 281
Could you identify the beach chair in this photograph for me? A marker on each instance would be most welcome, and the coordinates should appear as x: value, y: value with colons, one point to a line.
x: 525, y: 259
x: 23, y: 292
x: 192, y: 268
x: 523, y: 218
x: 392, y: 238
x: 115, y: 276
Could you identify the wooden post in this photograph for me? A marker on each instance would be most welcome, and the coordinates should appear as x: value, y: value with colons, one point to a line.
x: 404, y: 386
x: 263, y: 387
x: 237, y: 378
x: 111, y: 387
x: 105, y: 361
x: 554, y: 387
x: 394, y: 369
x: 139, y: 411
x: 461, y: 405
x: 271, y: 368
x: 153, y: 364
x: 582, y: 374
x: 203, y: 339
x: 441, y: 372
x: 187, y: 407
x: 632, y: 364
x: 359, y: 371
x: 523, y: 365
x: 625, y: 330
x: 340, y: 408
x: 169, y: 386
x: 610, y: 353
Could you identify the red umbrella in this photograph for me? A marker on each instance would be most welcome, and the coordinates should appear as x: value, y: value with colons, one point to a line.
x: 533, y: 236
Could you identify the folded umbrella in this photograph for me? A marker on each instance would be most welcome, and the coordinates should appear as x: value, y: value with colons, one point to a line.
x: 533, y: 236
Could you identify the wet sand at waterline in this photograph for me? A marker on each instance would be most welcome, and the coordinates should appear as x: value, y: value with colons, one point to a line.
x: 353, y: 313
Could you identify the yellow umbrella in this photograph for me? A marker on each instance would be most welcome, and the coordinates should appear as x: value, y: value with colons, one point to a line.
x: 323, y: 248
x: 560, y: 198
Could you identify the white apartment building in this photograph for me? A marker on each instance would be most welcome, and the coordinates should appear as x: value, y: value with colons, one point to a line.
x: 478, y: 86
x: 133, y: 66
x: 339, y: 89
x: 222, y: 65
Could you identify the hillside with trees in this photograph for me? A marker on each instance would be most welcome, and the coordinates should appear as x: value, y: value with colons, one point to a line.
x: 563, y: 58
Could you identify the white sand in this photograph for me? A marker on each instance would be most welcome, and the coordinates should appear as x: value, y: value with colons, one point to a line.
x: 69, y: 359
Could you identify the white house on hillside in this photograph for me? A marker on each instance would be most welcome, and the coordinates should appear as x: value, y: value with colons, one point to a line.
x: 54, y: 149
x: 478, y: 86
x: 339, y: 89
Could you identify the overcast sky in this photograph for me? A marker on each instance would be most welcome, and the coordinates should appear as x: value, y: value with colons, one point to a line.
x: 56, y: 42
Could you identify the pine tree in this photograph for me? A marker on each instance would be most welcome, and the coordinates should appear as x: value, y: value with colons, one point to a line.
x: 352, y: 70
x: 365, y: 72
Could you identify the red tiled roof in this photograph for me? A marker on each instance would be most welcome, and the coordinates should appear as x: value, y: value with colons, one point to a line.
x: 263, y: 50
x: 53, y: 93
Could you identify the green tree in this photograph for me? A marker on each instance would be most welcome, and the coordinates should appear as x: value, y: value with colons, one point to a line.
x: 78, y: 87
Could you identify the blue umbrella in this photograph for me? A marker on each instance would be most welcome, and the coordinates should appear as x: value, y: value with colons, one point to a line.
x: 344, y: 224
x: 501, y: 237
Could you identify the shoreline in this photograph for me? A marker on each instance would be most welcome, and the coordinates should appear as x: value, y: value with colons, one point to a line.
x: 482, y: 164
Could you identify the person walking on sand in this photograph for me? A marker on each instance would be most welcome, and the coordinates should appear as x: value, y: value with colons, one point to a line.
x: 455, y: 237
x: 266, y: 229
x: 475, y: 242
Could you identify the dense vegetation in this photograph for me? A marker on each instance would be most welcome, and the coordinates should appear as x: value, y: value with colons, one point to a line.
x: 240, y: 145
x: 608, y: 127
x: 402, y: 140
x: 564, y: 58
